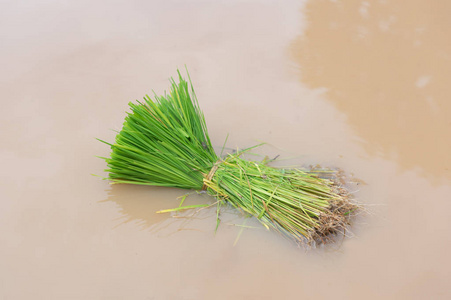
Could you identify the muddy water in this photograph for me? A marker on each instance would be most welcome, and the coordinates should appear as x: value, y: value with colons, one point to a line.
x: 357, y: 85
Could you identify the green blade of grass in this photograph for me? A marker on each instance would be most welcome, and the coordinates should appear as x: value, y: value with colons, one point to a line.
x: 181, y: 208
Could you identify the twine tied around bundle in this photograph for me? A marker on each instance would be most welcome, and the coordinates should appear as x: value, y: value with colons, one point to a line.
x: 211, y: 174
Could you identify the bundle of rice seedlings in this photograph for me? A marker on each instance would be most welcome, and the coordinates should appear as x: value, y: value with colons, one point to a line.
x: 164, y: 142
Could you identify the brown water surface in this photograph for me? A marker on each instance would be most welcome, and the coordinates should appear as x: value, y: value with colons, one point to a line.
x: 357, y: 85
x: 386, y: 67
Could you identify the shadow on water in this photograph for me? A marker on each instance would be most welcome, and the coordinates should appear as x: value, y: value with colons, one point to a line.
x: 387, y: 68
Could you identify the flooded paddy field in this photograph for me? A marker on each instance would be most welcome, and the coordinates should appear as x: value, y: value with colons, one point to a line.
x: 357, y: 85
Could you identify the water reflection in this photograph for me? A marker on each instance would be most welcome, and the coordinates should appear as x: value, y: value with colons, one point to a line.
x: 387, y: 67
x: 139, y: 204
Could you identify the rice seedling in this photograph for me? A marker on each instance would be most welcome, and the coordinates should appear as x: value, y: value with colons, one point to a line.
x: 164, y: 141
